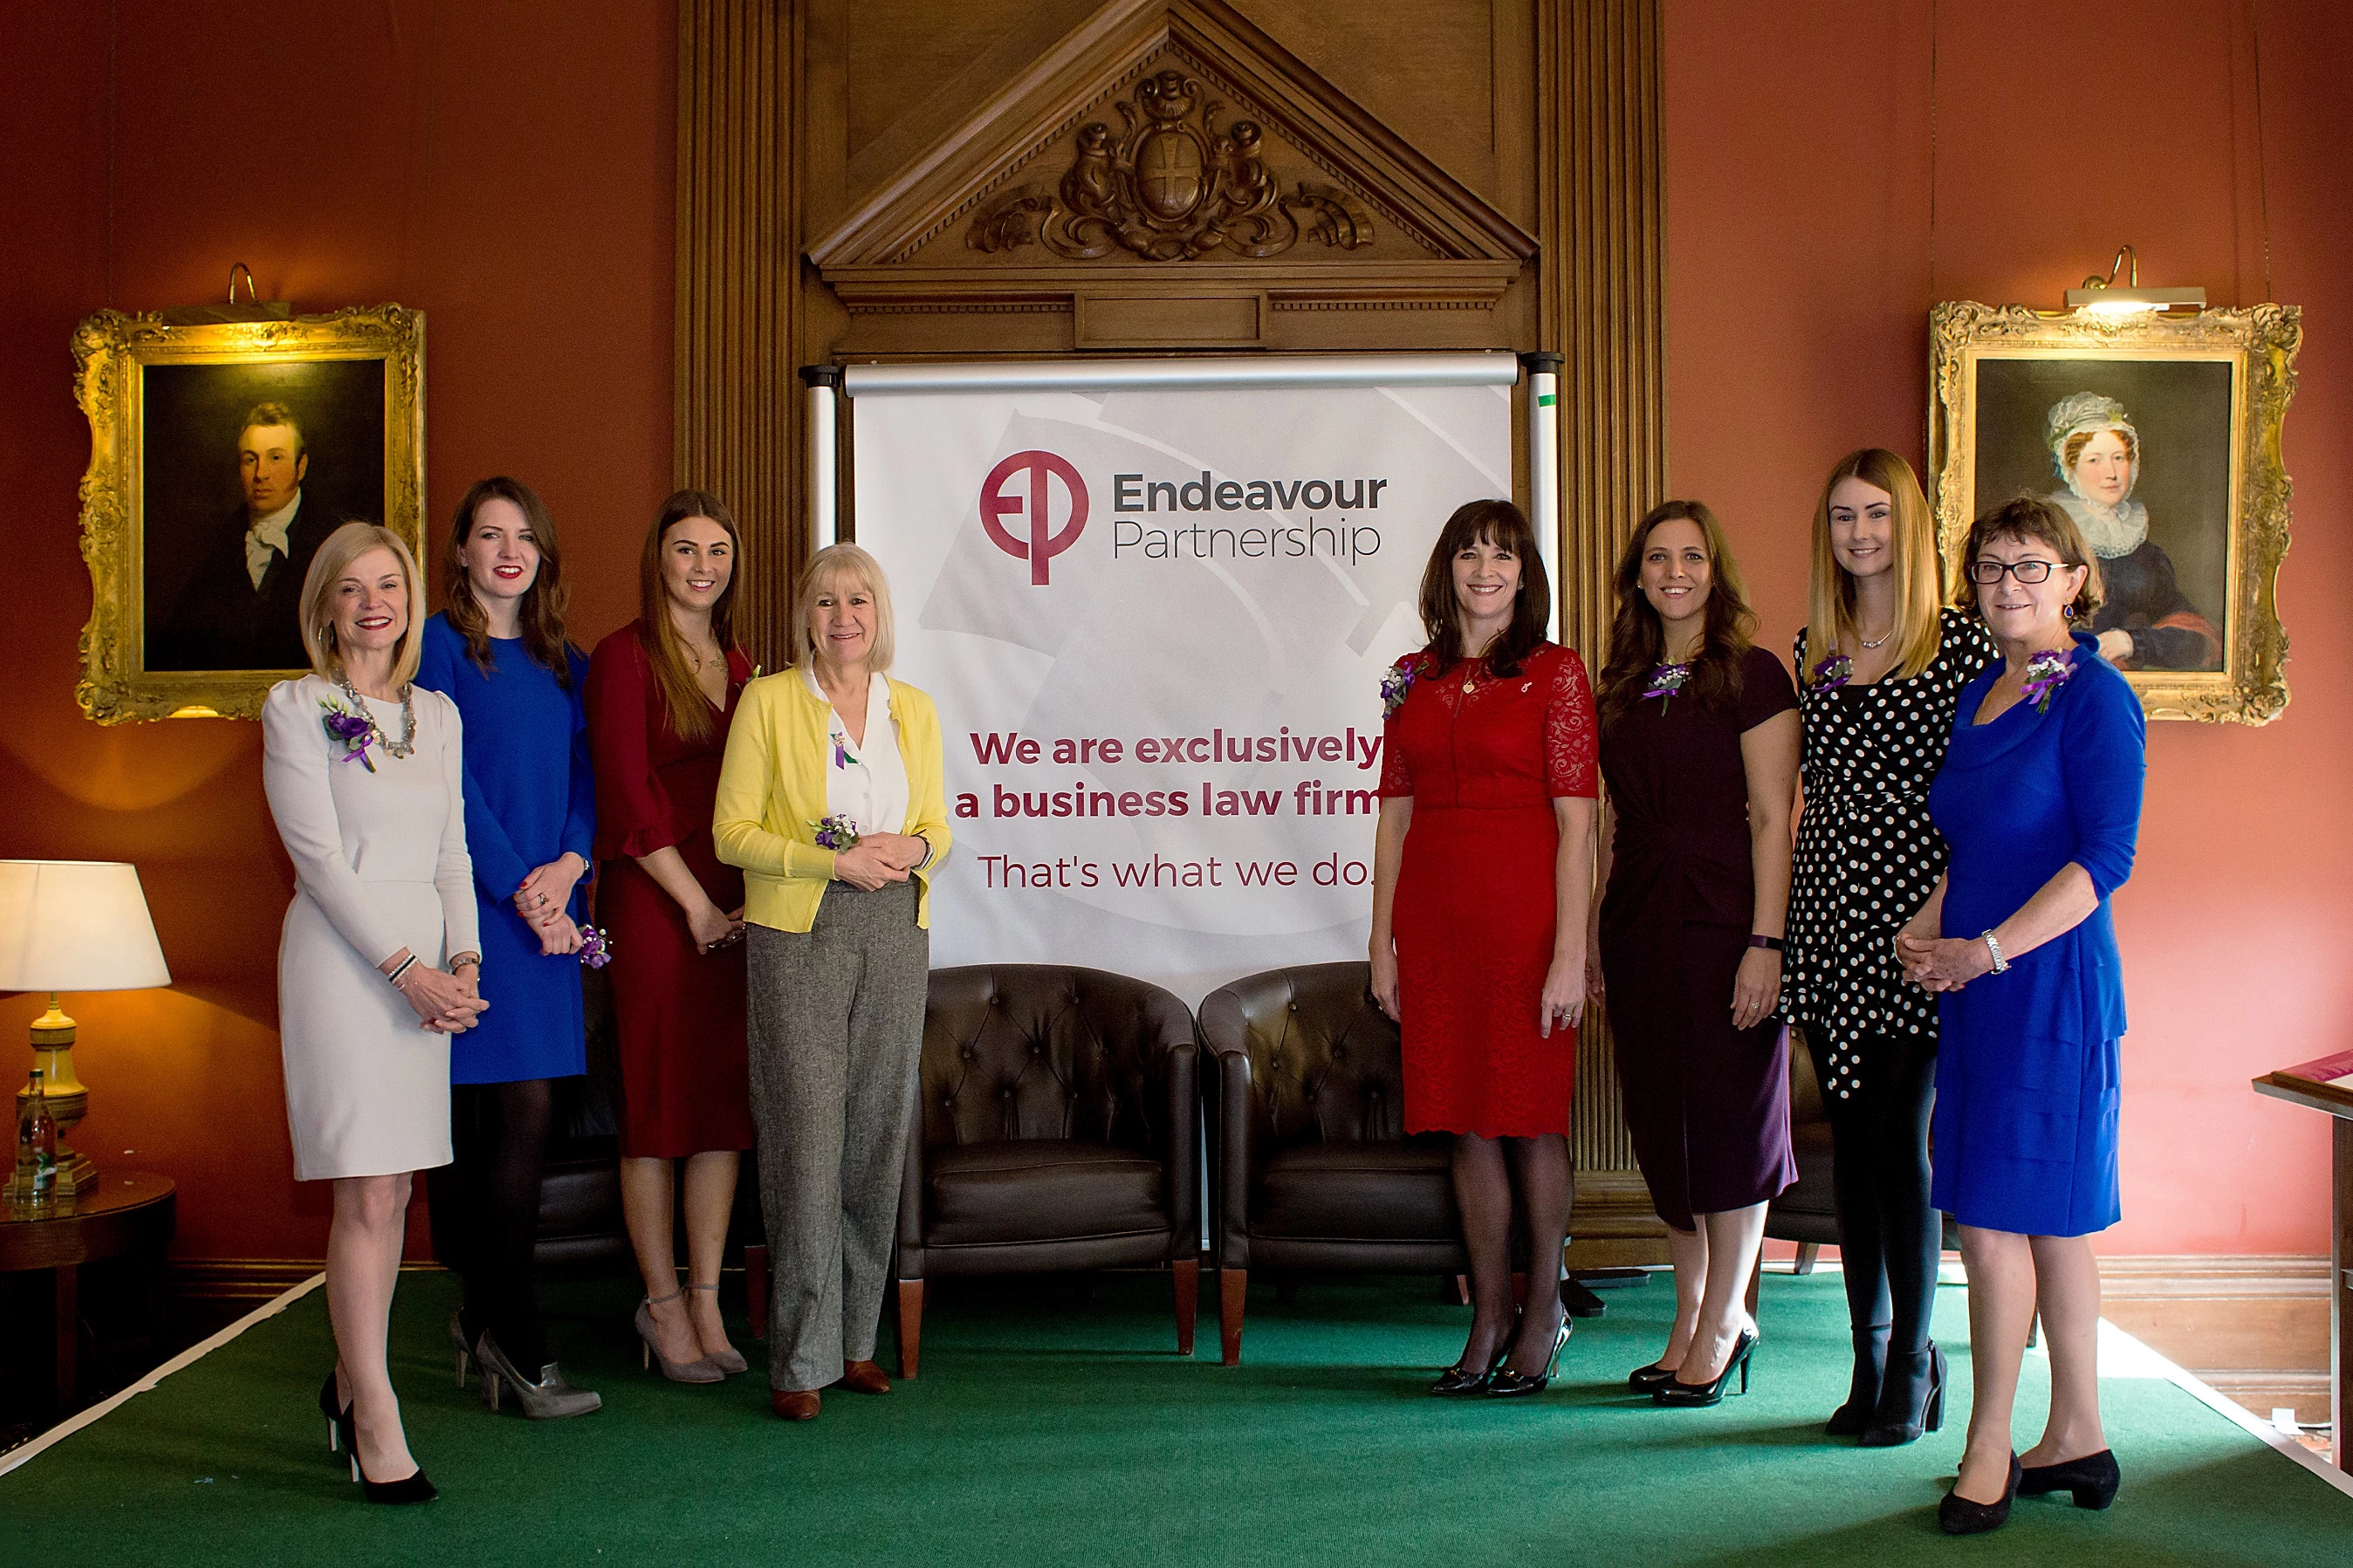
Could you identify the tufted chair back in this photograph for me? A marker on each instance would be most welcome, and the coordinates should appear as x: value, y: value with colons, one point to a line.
x: 1042, y: 1051
x: 1324, y: 1059
x: 1056, y: 1128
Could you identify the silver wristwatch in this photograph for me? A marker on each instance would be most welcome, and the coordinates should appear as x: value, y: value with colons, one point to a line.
x: 1999, y: 963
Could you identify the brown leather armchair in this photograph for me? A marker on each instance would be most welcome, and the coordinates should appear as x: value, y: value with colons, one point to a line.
x: 1054, y: 1129
x: 1311, y: 1166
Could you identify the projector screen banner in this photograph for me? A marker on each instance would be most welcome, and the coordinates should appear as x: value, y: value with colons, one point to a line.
x: 1156, y: 621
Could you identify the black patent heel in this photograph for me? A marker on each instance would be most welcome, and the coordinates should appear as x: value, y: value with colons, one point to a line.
x: 2093, y: 1480
x: 338, y: 1414
x: 1458, y: 1380
x: 1509, y: 1384
x: 1680, y: 1394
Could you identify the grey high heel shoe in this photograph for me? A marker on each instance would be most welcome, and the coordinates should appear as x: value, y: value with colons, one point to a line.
x: 465, y: 1350
x: 700, y: 1370
x: 729, y: 1360
x: 547, y: 1398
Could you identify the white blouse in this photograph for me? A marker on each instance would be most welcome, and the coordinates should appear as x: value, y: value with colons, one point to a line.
x: 866, y: 784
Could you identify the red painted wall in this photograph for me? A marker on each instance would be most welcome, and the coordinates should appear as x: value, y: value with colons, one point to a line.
x: 1812, y: 220
x: 509, y: 170
x: 514, y: 179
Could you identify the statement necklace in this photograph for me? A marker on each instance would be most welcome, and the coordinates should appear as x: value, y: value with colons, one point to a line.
x: 407, y: 741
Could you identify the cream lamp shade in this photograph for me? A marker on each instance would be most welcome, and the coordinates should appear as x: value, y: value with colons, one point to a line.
x: 72, y: 925
x: 76, y: 925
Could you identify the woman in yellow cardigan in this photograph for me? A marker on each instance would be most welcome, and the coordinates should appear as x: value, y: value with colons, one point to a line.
x: 830, y: 800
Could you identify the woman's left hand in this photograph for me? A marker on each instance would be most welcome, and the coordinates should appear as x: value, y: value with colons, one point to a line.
x: 1757, y: 988
x: 548, y: 889
x: 558, y: 936
x: 1564, y: 993
x: 1943, y: 963
x: 903, y: 850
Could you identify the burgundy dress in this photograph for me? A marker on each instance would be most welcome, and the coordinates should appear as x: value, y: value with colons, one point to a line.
x: 685, y: 1077
x: 1484, y: 759
x: 1707, y: 1105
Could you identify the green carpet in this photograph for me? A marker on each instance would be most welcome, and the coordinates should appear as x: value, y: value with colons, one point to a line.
x: 1049, y: 1428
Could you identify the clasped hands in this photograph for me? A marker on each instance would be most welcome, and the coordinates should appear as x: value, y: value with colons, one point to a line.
x: 544, y: 898
x: 878, y: 859
x: 1941, y: 963
x: 446, y: 1000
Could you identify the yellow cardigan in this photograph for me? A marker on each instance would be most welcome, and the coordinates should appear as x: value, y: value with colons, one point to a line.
x: 772, y: 796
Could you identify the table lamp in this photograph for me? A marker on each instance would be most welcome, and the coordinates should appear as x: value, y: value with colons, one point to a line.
x: 72, y: 925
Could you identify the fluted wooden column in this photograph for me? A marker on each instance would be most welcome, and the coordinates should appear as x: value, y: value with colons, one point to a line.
x: 1604, y: 307
x: 734, y: 389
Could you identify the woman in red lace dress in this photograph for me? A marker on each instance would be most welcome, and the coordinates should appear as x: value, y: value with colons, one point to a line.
x: 1482, y: 870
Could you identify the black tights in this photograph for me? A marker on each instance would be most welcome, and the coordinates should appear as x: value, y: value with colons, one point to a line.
x: 1484, y: 1168
x: 485, y: 1211
x: 1889, y: 1237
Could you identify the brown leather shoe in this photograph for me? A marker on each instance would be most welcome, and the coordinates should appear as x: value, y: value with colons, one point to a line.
x: 864, y: 1377
x: 793, y: 1404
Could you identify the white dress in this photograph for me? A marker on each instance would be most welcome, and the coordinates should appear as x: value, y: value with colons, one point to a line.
x: 380, y: 864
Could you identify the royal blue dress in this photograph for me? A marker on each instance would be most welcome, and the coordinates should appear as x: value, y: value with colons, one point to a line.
x: 2024, y: 1136
x: 530, y: 796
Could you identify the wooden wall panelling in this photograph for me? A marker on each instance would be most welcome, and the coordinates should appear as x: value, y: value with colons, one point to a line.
x: 1600, y: 217
x: 733, y: 399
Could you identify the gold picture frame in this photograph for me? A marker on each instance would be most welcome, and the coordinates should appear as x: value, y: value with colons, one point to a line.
x: 2193, y: 401
x: 194, y: 430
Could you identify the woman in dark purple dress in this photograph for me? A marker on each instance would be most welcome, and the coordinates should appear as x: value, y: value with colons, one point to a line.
x: 1699, y: 753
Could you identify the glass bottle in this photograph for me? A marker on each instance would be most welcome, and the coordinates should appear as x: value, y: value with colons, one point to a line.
x: 36, y: 1184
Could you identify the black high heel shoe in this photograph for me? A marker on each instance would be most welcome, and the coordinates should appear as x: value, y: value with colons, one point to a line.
x: 338, y: 1414
x: 1509, y: 1384
x: 1646, y: 1379
x: 1680, y: 1394
x: 1956, y: 1515
x: 411, y: 1488
x: 1851, y: 1419
x: 1911, y: 1400
x: 1459, y: 1379
x: 2094, y: 1478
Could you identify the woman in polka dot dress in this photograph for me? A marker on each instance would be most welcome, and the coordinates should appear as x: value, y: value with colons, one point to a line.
x: 1879, y: 668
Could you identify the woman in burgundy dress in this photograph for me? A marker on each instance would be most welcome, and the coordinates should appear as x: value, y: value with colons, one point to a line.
x: 661, y: 696
x: 1482, y: 867
x: 1699, y: 747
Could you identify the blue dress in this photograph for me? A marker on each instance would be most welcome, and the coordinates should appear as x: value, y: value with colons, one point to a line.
x: 2024, y: 1137
x: 530, y: 796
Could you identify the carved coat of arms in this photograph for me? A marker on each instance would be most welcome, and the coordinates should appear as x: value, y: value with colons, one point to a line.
x: 1170, y: 187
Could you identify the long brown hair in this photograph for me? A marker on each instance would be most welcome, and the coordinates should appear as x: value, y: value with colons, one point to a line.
x: 689, y: 710
x: 1912, y: 535
x: 541, y: 613
x: 1503, y: 526
x: 1638, y: 642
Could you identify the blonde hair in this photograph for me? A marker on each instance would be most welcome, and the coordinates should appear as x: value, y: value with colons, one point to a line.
x: 1912, y: 535
x: 826, y: 567
x: 343, y: 547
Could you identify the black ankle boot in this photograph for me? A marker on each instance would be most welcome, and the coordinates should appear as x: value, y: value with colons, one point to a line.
x: 1911, y: 1399
x: 1862, y: 1395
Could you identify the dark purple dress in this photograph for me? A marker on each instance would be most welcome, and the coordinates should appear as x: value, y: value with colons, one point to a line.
x: 1707, y: 1105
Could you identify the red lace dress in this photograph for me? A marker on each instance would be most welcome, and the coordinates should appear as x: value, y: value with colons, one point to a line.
x: 1484, y: 759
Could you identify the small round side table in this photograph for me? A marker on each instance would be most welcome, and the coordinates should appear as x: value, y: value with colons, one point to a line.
x: 125, y: 1213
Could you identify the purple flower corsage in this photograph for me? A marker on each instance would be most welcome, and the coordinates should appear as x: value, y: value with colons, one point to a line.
x: 841, y: 757
x: 1396, y: 683
x: 1665, y: 682
x: 355, y: 732
x: 596, y: 947
x: 836, y: 833
x: 1833, y: 672
x: 2046, y: 672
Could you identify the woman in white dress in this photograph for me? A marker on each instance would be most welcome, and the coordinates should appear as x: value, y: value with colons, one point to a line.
x: 379, y: 963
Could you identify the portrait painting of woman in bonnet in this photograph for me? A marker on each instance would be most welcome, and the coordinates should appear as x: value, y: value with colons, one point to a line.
x: 2146, y: 621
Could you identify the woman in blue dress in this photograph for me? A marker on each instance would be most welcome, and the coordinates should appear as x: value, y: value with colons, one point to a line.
x: 499, y: 652
x: 2039, y: 799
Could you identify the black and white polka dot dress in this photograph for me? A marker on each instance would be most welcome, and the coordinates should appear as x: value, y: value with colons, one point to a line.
x: 1867, y: 854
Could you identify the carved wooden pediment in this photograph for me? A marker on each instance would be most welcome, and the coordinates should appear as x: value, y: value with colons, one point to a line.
x: 1170, y: 175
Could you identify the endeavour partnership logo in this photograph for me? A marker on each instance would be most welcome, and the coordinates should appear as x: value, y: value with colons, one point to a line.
x: 1042, y: 543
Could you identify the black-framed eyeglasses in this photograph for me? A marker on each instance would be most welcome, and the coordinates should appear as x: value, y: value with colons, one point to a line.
x: 1985, y: 573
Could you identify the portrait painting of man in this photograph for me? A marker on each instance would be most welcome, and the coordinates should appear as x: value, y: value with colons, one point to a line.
x: 247, y: 468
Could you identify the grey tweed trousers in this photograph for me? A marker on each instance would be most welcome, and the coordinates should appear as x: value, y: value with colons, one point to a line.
x: 836, y: 1027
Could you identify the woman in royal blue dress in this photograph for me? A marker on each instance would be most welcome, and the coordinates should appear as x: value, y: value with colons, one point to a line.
x: 499, y: 652
x: 2039, y: 800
